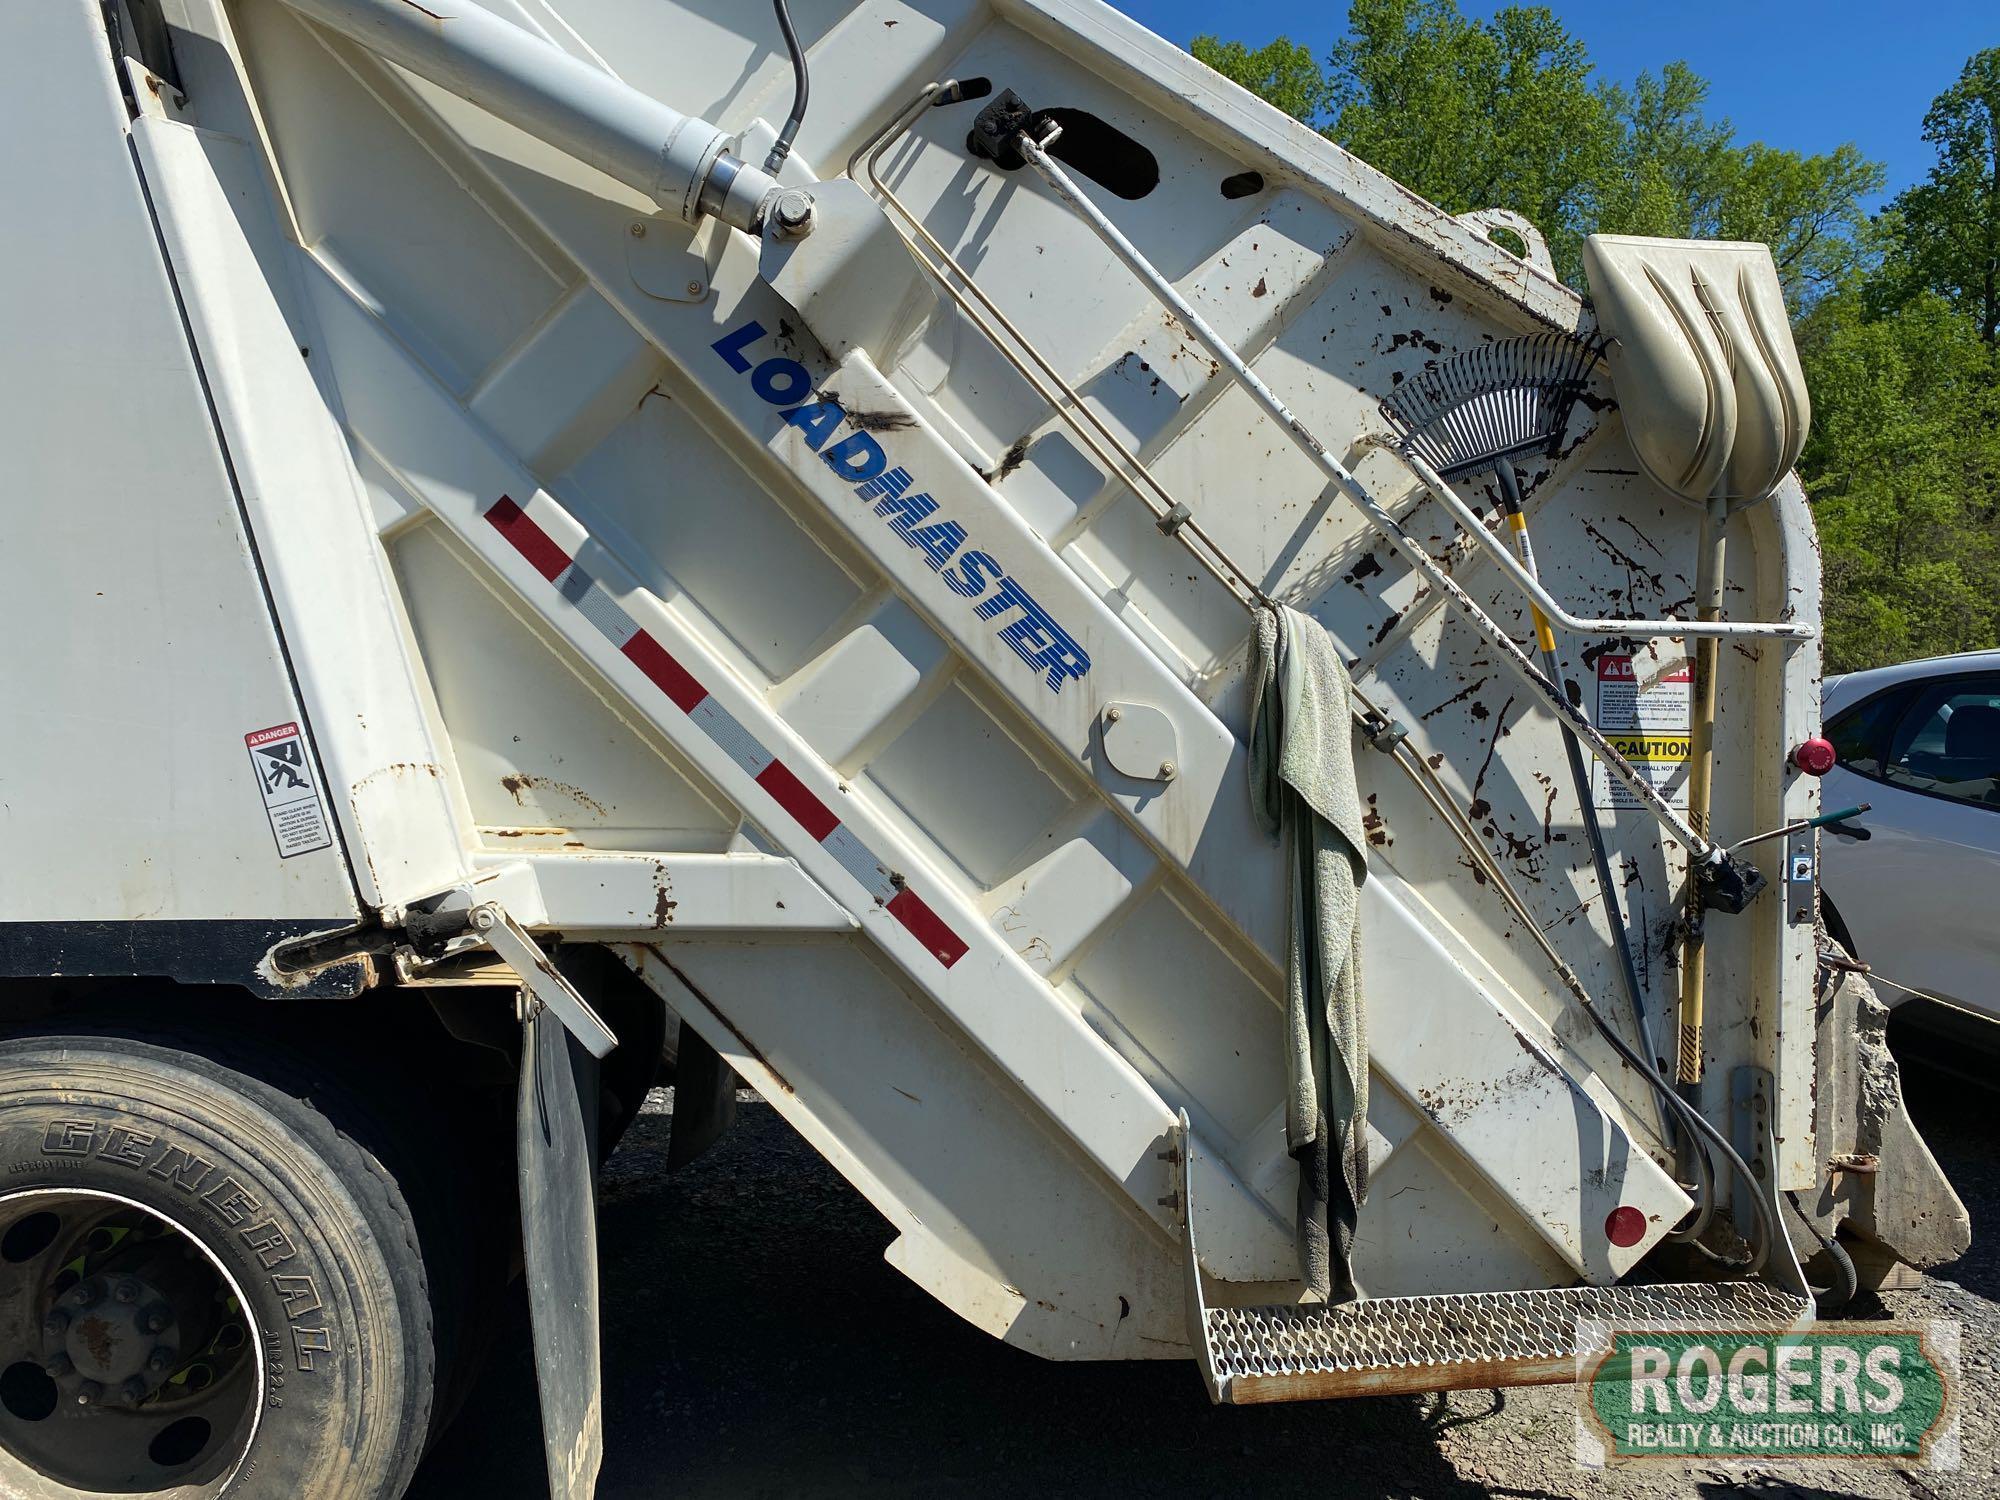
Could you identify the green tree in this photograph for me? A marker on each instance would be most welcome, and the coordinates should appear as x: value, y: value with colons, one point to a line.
x: 1506, y: 113
x: 1898, y: 318
x: 1281, y: 72
x: 1950, y: 222
x: 1904, y: 469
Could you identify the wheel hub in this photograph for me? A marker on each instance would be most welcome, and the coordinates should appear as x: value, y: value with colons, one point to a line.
x: 115, y: 1338
x: 126, y: 1352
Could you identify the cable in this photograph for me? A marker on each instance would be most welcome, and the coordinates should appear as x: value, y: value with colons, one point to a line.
x: 801, y: 91
x: 1706, y: 1137
x: 1830, y: 1301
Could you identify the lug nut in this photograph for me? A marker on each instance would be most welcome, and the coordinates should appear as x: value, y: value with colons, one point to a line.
x: 87, y: 1293
x: 89, y: 1393
x: 58, y: 1366
x: 126, y: 1292
x: 55, y: 1325
x: 161, y: 1360
x: 135, y: 1390
x: 155, y: 1319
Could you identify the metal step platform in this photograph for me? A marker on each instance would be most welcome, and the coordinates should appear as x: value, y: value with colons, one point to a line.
x: 1467, y: 1341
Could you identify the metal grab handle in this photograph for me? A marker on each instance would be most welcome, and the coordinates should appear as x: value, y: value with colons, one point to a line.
x: 1526, y: 582
x: 1698, y: 845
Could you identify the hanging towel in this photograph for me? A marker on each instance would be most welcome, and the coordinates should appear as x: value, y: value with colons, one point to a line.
x: 1302, y: 785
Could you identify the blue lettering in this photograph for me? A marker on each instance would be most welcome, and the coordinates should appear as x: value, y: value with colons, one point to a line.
x: 816, y: 421
x: 1035, y: 637
x: 731, y: 345
x: 764, y: 380
x: 938, y: 542
x: 856, y: 458
x: 970, y: 577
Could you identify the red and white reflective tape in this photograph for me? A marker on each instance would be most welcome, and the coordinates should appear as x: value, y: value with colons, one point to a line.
x: 791, y: 795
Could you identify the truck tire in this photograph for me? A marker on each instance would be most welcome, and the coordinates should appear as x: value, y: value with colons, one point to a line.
x: 204, y: 1284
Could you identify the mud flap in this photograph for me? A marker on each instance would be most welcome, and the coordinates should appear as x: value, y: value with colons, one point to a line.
x: 704, y: 1099
x: 555, y: 1130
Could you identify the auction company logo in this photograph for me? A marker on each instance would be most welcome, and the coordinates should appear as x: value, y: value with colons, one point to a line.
x: 1857, y: 1391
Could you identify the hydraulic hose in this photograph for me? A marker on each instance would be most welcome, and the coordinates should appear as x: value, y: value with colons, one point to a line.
x: 1829, y: 1301
x: 801, y: 90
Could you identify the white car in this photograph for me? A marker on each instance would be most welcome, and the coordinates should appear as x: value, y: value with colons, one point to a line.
x: 1915, y: 898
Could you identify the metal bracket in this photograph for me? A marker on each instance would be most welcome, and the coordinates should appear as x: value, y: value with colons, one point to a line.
x: 1750, y: 1117
x: 511, y: 941
x: 661, y: 264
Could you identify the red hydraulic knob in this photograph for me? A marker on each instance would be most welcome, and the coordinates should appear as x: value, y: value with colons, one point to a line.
x: 1815, y: 756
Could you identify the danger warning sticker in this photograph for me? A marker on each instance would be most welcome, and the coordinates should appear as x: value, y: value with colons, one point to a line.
x: 1642, y: 706
x: 291, y: 801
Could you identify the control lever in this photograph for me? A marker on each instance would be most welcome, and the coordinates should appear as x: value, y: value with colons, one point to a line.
x: 1829, y: 821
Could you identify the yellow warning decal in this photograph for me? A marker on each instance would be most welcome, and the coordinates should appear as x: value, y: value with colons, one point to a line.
x: 1654, y: 747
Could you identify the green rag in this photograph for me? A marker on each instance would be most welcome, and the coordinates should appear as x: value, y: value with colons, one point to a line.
x: 1302, y: 785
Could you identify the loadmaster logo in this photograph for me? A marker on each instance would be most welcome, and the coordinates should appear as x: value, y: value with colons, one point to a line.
x: 1853, y: 1391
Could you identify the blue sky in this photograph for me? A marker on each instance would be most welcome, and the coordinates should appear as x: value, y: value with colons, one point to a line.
x: 1791, y: 72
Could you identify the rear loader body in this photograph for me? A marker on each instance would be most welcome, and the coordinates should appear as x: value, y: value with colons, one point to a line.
x: 501, y: 562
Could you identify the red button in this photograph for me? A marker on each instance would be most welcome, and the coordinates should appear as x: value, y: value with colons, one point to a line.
x: 1625, y: 1226
x: 1815, y: 756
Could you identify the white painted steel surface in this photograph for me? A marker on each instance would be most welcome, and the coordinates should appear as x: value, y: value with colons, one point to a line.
x: 123, y: 537
x: 788, y: 670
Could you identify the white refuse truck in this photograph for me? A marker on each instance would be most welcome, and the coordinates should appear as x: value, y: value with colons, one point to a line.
x: 543, y: 528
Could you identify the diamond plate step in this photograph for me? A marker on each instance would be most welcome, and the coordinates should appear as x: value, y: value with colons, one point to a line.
x: 1470, y: 1340
x: 1474, y: 1340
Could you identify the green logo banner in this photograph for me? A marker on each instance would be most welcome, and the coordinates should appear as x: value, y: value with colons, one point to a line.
x: 1835, y: 1390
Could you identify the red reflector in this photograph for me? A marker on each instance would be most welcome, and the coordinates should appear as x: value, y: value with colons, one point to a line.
x: 1625, y: 1226
x: 1815, y: 756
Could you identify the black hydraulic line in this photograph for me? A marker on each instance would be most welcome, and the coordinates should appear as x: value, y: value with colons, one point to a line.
x: 1593, y: 830
x: 1579, y: 773
x: 801, y: 90
x: 1828, y: 1302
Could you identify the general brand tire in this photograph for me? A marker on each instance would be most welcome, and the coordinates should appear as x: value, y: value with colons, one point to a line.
x: 302, y: 1222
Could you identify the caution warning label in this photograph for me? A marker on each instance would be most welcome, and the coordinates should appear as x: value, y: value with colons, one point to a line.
x: 291, y: 799
x: 1643, y: 706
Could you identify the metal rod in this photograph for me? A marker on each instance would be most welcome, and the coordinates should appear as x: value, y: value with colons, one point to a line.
x: 1708, y: 585
x: 1824, y: 820
x: 1539, y: 597
x: 1034, y: 367
x: 1696, y: 843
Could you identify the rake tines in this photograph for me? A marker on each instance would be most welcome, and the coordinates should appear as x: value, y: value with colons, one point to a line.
x: 1492, y: 402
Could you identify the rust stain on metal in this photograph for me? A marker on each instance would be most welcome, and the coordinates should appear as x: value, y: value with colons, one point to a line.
x: 517, y: 782
x: 100, y: 1338
x: 1472, y: 1375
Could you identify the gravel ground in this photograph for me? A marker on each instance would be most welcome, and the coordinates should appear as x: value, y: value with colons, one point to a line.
x: 756, y: 1344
